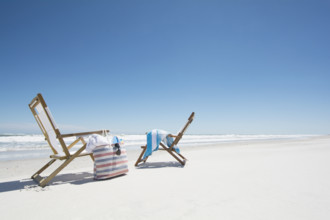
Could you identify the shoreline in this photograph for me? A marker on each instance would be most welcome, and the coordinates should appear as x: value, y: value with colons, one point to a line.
x: 23, y: 154
x: 11, y: 168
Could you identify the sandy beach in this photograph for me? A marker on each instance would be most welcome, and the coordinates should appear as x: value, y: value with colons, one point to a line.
x: 274, y: 179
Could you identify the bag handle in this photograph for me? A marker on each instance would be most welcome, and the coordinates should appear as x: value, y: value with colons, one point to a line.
x: 106, y: 135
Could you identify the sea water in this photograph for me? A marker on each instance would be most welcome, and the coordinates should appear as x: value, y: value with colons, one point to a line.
x: 28, y: 146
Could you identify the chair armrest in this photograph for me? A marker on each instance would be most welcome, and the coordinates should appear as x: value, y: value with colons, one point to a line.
x: 83, y: 133
x: 172, y: 135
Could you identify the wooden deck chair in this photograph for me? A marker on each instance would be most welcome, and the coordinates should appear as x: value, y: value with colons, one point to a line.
x: 55, y: 140
x: 179, y: 157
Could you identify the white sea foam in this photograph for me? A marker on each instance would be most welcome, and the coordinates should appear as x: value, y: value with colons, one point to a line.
x: 28, y: 145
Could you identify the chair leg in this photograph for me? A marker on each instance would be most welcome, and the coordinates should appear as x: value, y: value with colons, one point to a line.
x: 145, y: 160
x: 46, y: 180
x: 182, y: 156
x: 43, y: 168
x: 92, y: 157
x: 183, y: 162
x: 141, y: 155
x: 43, y: 182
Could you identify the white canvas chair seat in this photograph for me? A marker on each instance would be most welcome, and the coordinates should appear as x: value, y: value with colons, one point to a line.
x: 55, y: 140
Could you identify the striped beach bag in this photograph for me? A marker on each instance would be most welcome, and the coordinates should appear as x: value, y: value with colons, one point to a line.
x: 107, y: 164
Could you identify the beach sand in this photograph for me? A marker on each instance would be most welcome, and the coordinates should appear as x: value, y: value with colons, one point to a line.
x: 275, y: 179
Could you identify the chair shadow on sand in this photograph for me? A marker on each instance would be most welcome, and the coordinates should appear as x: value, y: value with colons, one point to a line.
x: 150, y: 165
x: 30, y: 185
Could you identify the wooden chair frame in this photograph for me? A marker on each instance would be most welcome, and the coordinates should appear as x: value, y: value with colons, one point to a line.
x: 67, y: 157
x: 179, y: 157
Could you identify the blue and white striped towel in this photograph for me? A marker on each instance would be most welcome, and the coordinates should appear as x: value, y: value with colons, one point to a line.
x: 154, y: 138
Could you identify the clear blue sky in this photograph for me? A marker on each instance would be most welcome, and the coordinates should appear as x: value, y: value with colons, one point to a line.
x: 244, y: 67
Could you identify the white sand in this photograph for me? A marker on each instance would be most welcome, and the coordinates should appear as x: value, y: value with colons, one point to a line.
x: 256, y: 180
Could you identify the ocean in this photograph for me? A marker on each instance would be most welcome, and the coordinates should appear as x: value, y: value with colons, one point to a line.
x: 29, y: 146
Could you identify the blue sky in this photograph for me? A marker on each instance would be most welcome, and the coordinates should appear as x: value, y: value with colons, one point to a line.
x: 244, y: 67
